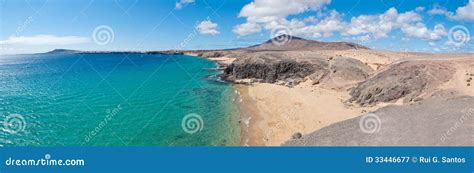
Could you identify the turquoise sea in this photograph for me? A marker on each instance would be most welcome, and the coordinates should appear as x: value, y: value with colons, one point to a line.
x: 114, y: 100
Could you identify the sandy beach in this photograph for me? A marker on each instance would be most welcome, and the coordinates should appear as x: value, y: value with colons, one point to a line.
x: 271, y: 114
x: 292, y: 91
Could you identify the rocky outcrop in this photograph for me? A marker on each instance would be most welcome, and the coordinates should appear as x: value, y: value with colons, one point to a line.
x: 346, y: 71
x: 294, y: 67
x: 211, y: 54
x: 271, y: 67
x: 403, y: 80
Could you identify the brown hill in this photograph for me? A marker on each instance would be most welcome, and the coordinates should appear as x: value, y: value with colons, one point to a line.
x: 288, y: 42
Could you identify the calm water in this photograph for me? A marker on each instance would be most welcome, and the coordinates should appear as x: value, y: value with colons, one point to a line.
x: 114, y: 100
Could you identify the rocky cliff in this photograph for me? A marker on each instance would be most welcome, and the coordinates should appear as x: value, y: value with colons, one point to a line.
x: 406, y: 80
x: 292, y: 67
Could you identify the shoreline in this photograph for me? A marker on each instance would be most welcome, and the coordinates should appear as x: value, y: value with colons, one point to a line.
x: 274, y: 114
x: 247, y: 114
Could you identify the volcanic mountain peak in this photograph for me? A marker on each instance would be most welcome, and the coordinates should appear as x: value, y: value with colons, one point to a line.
x: 289, y: 42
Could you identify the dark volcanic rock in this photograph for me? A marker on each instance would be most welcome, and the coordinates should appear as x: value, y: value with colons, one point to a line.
x: 294, y: 67
x: 297, y: 135
x: 271, y: 67
x: 212, y: 54
x: 270, y: 71
x: 350, y: 69
x: 406, y: 79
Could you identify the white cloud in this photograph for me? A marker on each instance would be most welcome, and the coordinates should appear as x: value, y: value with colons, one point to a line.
x: 265, y: 15
x: 270, y: 10
x: 310, y: 19
x: 273, y: 13
x: 419, y: 30
x: 44, y: 40
x: 380, y: 26
x: 207, y: 27
x: 326, y: 27
x: 363, y: 38
x: 181, y: 3
x: 419, y: 9
x: 465, y: 13
x: 247, y: 29
x: 438, y: 10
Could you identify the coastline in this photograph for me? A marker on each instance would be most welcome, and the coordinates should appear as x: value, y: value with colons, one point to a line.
x: 245, y: 111
x: 274, y: 114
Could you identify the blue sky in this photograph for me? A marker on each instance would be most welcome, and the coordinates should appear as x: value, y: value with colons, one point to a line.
x: 29, y: 26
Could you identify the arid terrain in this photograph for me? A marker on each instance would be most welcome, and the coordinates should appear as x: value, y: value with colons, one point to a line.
x: 307, y: 92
